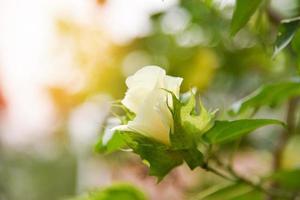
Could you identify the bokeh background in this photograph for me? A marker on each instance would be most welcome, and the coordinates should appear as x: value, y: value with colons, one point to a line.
x: 62, y: 63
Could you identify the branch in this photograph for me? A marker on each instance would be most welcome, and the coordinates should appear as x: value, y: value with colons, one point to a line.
x: 235, y: 177
x: 258, y: 186
x: 238, y: 178
x: 284, y: 138
x: 285, y: 135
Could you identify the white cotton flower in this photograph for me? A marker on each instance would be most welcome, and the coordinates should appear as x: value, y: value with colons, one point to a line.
x: 149, y: 101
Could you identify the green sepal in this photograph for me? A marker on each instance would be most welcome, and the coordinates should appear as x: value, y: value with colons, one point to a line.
x: 128, y: 114
x: 189, y: 124
x: 161, y: 158
x: 193, y: 158
x: 193, y: 122
x: 115, y: 143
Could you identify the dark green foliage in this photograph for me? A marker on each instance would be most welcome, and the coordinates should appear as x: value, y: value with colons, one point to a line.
x: 289, y: 179
x: 193, y: 157
x: 286, y: 33
x: 244, y: 9
x: 271, y: 94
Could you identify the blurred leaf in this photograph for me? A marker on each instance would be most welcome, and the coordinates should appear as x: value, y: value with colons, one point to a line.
x: 271, y: 94
x: 28, y: 176
x: 296, y: 42
x: 236, y: 191
x: 287, y: 30
x: 244, y: 9
x: 224, y: 131
x: 289, y: 179
x: 253, y: 195
x: 115, y: 192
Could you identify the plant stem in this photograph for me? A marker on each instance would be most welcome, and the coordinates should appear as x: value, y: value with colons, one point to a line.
x: 237, y: 178
x: 285, y: 135
x: 217, y: 172
x: 284, y: 138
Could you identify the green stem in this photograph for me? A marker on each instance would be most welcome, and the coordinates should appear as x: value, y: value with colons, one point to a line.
x: 217, y: 172
x: 284, y: 138
x: 237, y: 178
x: 285, y: 135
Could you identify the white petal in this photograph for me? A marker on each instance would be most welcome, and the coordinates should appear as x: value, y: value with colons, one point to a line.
x: 121, y: 128
x: 151, y: 120
x: 108, y: 134
x: 148, y: 101
x: 109, y: 131
x: 141, y: 84
x: 173, y: 84
x: 134, y: 97
x: 146, y: 77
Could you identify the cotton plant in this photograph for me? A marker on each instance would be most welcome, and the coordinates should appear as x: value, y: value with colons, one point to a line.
x: 166, y: 128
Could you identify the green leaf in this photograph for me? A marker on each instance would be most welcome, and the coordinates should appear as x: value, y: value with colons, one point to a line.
x: 114, y: 143
x: 110, y: 141
x: 271, y: 94
x: 289, y: 179
x: 128, y: 114
x: 286, y: 33
x: 121, y: 191
x: 244, y: 9
x: 224, y: 131
x: 160, y: 158
x: 236, y: 191
x: 193, y: 157
x: 161, y: 161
